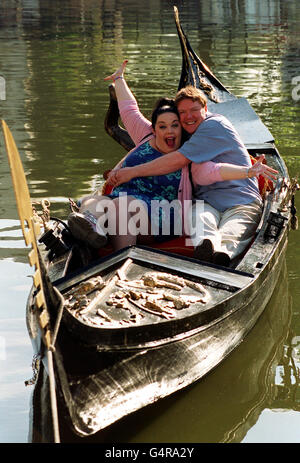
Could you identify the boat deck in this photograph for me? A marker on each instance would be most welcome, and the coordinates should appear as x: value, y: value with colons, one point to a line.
x: 145, y: 294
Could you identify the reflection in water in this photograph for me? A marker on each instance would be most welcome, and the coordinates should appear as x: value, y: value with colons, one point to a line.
x: 54, y: 56
x: 224, y: 405
x: 287, y: 394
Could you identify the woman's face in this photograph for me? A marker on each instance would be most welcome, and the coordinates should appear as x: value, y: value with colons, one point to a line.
x: 167, y: 131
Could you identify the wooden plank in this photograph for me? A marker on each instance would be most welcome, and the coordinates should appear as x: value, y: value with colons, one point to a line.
x: 231, y: 279
x: 193, y: 268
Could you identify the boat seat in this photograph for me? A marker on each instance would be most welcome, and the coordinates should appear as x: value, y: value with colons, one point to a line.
x: 174, y: 246
x: 264, y: 184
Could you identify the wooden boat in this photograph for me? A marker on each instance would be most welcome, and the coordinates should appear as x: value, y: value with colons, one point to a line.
x: 137, y: 325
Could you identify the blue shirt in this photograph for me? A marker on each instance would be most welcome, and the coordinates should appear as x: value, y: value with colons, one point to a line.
x: 152, y: 190
x: 217, y: 140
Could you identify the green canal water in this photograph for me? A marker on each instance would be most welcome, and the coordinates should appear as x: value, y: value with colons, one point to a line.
x: 54, y: 56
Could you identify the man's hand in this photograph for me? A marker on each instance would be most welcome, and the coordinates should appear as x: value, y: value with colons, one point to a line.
x: 117, y: 177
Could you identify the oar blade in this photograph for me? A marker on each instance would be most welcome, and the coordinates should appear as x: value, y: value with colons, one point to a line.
x: 29, y: 227
x: 19, y: 180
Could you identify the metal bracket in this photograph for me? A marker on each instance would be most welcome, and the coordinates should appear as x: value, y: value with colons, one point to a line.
x: 275, y: 224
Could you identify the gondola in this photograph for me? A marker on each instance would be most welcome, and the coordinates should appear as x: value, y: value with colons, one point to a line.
x: 115, y: 332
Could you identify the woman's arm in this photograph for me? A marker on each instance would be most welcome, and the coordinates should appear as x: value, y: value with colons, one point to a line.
x: 135, y: 123
x: 233, y: 172
x: 210, y: 172
x: 123, y: 92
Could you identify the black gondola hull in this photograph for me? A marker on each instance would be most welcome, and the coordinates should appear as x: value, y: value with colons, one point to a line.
x: 92, y: 401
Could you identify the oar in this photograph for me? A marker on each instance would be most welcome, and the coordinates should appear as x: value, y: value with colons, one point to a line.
x: 30, y: 230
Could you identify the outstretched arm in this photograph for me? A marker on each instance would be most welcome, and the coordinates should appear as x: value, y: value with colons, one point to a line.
x: 175, y: 160
x: 232, y: 172
x: 136, y: 124
x: 210, y: 172
x: 163, y: 165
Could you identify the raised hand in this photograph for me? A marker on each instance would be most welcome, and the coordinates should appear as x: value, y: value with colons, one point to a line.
x: 118, y: 73
x: 262, y: 169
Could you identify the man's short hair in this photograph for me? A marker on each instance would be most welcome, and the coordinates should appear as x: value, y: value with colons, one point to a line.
x: 191, y: 93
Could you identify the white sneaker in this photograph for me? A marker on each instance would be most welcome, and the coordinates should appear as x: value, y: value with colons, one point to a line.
x: 84, y: 227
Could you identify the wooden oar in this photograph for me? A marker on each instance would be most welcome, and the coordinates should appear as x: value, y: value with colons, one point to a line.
x: 30, y: 230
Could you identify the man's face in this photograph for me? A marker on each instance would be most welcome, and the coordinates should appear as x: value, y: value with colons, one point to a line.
x: 191, y: 114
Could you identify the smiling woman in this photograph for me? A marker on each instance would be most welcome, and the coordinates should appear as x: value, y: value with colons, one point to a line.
x: 166, y: 128
x: 153, y: 140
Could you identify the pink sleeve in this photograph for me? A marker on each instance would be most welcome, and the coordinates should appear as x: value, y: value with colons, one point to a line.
x: 135, y: 123
x: 206, y: 173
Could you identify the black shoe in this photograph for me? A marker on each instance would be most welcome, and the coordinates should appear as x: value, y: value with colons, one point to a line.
x: 221, y: 258
x: 84, y: 227
x: 204, y: 251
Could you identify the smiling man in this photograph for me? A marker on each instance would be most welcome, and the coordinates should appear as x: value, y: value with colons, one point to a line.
x: 223, y: 178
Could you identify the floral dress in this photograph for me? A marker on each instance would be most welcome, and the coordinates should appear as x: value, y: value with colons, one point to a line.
x: 152, y: 190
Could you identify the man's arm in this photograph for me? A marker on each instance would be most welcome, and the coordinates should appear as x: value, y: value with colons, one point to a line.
x: 163, y: 165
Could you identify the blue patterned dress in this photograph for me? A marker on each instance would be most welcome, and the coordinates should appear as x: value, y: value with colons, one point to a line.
x: 147, y: 189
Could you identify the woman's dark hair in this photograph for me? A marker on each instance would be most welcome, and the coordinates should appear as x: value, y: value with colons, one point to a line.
x: 163, y: 105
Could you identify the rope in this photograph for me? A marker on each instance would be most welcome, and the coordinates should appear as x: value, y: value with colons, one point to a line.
x: 50, y: 351
x: 53, y: 397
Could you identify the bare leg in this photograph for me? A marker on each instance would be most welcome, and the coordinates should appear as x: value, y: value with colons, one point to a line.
x: 125, y: 218
x: 132, y: 222
x: 89, y: 203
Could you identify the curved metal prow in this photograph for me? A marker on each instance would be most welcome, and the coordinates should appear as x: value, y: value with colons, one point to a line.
x: 194, y: 71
